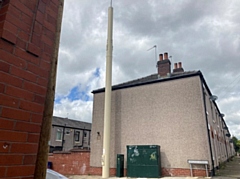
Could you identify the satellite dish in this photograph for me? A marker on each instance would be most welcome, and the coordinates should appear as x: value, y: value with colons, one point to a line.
x: 221, y: 115
x: 228, y: 135
x: 213, y: 97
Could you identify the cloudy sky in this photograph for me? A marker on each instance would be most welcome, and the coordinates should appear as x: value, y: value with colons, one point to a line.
x: 204, y: 35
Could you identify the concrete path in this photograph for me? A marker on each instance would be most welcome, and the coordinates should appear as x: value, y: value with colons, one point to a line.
x: 229, y: 170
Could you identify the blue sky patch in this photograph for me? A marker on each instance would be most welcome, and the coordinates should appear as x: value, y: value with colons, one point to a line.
x: 57, y: 100
x: 97, y: 72
x: 75, y: 94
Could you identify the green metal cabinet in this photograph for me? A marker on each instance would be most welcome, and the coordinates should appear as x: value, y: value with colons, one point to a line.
x: 143, y: 161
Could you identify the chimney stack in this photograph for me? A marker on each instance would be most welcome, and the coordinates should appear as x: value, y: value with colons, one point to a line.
x: 178, y: 67
x: 164, y: 65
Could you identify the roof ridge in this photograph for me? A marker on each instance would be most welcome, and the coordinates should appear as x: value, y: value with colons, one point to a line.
x: 135, y: 80
x: 150, y: 79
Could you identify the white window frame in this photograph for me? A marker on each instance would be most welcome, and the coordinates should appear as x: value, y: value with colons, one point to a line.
x: 60, y: 132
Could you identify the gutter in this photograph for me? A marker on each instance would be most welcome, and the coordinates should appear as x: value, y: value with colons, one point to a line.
x: 70, y: 127
x: 209, y: 140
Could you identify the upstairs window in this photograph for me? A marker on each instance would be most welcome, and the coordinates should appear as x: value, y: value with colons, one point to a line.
x: 59, y: 135
x: 77, y: 136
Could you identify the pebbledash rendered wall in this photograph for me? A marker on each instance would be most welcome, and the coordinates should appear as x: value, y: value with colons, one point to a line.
x: 222, y: 148
x: 169, y: 114
x: 27, y: 36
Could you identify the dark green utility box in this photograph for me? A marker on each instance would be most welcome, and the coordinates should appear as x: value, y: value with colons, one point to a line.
x: 120, y: 165
x: 143, y: 161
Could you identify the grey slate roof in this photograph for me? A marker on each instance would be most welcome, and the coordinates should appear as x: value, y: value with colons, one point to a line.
x: 154, y: 78
x: 59, y: 121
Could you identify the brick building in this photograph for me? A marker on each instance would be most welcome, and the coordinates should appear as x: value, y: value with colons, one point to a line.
x: 175, y: 110
x: 27, y: 44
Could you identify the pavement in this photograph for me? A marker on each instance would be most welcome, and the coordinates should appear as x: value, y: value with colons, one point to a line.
x: 229, y: 170
x: 99, y: 177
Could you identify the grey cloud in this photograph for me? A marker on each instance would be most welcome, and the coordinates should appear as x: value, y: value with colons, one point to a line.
x: 203, y: 35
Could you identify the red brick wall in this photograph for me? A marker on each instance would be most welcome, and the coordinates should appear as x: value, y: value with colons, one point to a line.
x: 75, y: 163
x: 27, y: 36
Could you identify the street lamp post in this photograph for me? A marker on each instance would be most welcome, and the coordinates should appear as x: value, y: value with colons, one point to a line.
x: 107, y: 105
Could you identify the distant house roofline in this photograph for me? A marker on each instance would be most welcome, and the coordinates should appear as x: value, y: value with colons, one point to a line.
x: 70, y: 123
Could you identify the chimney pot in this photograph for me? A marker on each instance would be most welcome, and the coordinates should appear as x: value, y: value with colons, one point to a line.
x: 160, y: 57
x: 178, y: 67
x: 179, y: 64
x: 175, y: 65
x: 165, y: 56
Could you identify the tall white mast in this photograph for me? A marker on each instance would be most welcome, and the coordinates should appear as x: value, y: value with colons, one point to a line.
x: 108, y: 91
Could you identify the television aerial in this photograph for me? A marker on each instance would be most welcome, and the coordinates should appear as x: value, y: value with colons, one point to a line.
x: 155, y: 47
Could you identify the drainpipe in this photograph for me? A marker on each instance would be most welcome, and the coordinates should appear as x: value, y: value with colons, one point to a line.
x: 88, y: 138
x: 63, y: 140
x: 209, y: 140
x: 42, y: 155
x: 83, y: 137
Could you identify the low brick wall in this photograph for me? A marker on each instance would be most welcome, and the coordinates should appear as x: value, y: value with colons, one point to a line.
x: 75, y: 163
x: 78, y: 163
x: 71, y: 163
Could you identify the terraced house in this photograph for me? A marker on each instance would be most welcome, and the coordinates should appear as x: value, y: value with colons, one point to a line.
x: 67, y: 134
x: 173, y: 109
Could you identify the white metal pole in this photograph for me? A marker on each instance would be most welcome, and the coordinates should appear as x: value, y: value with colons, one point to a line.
x: 107, y: 107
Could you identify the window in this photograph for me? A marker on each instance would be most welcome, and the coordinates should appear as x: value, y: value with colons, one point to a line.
x: 59, y: 135
x: 85, y: 134
x: 77, y: 136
